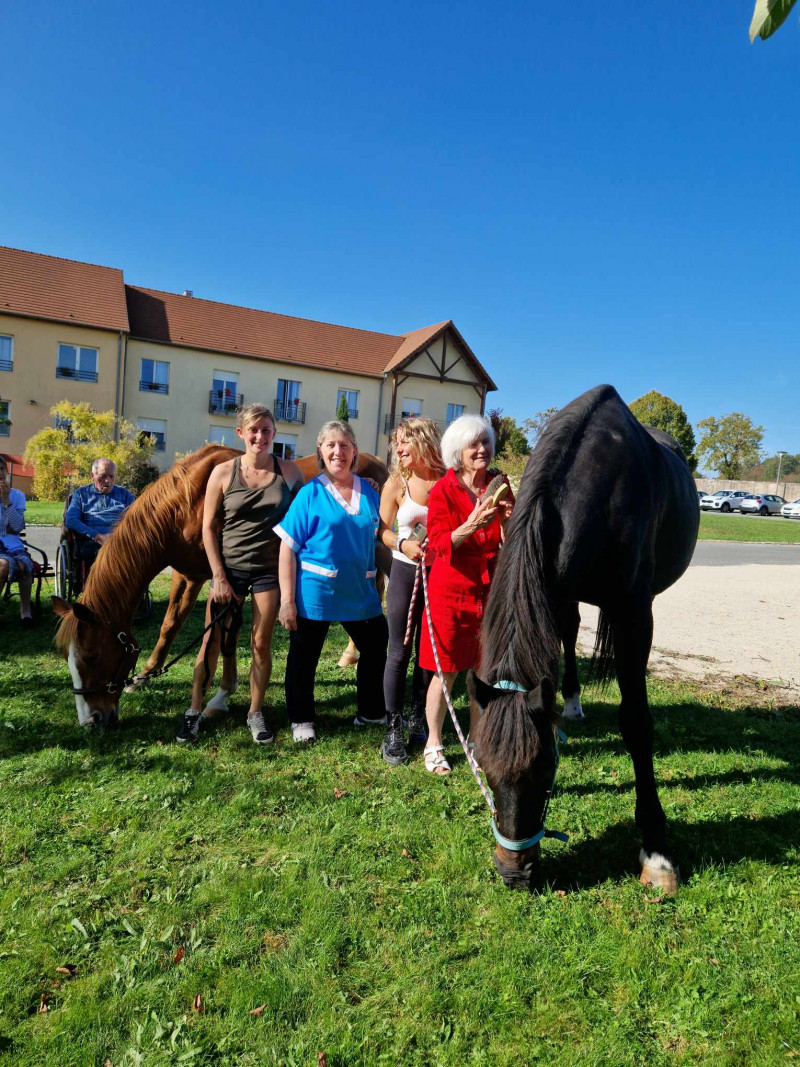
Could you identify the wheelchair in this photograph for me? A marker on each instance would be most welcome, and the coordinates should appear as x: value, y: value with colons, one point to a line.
x: 41, y: 570
x: 71, y: 570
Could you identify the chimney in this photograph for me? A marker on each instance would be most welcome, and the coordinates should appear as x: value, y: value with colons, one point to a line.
x: 188, y: 292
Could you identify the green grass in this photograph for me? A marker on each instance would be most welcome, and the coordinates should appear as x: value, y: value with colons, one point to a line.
x: 370, y: 923
x: 750, y: 528
x: 44, y: 512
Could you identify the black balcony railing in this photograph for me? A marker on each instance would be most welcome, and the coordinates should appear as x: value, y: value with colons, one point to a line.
x: 6, y: 364
x: 352, y: 413
x: 153, y: 387
x: 290, y: 410
x: 159, y: 439
x: 224, y: 403
x: 77, y: 375
x: 5, y: 429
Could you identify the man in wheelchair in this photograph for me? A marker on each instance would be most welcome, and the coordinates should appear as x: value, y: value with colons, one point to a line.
x: 15, y: 561
x: 95, y: 510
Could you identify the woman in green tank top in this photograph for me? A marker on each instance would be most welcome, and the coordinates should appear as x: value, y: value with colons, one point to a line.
x: 245, y: 499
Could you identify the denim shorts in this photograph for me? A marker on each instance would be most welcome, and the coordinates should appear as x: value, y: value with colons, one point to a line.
x: 243, y: 581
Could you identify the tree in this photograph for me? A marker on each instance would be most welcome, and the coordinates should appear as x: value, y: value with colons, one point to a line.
x: 767, y: 469
x: 342, y: 411
x: 655, y: 409
x: 729, y: 445
x: 509, y: 438
x: 535, y: 427
x: 769, y: 16
x: 63, y: 455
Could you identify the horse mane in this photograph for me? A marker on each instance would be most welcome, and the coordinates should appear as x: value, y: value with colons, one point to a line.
x: 520, y: 634
x: 141, y: 537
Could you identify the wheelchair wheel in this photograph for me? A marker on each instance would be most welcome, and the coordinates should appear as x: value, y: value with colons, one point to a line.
x: 62, y: 572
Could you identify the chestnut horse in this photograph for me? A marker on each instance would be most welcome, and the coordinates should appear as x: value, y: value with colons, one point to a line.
x: 162, y: 528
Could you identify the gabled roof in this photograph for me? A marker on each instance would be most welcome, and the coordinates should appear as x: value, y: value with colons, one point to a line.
x: 63, y: 290
x: 418, y: 340
x: 241, y: 331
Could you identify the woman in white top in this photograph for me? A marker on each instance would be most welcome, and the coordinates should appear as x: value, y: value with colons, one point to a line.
x: 416, y: 468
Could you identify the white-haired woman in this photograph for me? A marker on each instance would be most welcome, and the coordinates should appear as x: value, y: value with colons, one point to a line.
x: 330, y: 532
x: 465, y: 535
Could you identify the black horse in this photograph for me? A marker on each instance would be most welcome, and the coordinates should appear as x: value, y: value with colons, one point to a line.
x: 607, y: 514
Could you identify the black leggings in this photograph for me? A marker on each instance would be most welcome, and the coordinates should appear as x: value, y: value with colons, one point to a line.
x: 398, y: 598
x: 305, y: 647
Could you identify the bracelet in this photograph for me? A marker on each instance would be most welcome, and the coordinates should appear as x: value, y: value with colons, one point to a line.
x: 400, y: 541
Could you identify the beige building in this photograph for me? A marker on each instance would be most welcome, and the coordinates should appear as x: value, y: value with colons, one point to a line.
x: 179, y: 367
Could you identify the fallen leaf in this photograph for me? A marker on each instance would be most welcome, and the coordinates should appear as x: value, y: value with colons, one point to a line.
x: 322, y: 1060
x: 179, y: 955
x: 561, y: 892
x: 160, y: 743
x: 654, y: 900
x: 714, y: 960
x: 43, y: 1007
x: 259, y: 1010
x: 108, y: 1063
x: 406, y: 854
x: 68, y: 968
x: 198, y: 1005
x: 339, y: 793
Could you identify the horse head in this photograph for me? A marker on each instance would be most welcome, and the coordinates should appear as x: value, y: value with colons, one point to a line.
x: 516, y: 747
x: 101, y: 654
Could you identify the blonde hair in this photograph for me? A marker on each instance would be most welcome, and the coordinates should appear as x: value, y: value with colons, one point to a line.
x: 252, y: 413
x: 344, y: 429
x: 462, y: 433
x: 424, y: 441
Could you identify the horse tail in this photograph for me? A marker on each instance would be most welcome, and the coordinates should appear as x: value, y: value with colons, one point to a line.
x: 601, y: 667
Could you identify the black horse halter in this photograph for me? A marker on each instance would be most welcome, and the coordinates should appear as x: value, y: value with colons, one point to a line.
x: 124, y: 673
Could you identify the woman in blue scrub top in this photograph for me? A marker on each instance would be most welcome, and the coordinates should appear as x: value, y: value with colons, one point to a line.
x: 327, y: 574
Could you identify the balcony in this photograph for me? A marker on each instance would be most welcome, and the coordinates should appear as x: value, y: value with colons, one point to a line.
x: 224, y: 403
x: 76, y: 375
x: 352, y: 413
x: 289, y: 410
x: 6, y: 364
x: 159, y: 440
x: 5, y: 427
x: 154, y: 387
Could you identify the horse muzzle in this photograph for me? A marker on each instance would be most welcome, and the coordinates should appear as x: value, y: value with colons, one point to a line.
x: 519, y: 870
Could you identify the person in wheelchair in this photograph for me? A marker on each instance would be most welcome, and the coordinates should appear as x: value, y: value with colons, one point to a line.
x: 95, y: 510
x: 15, y: 561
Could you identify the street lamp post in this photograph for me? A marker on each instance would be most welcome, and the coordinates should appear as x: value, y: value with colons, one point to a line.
x: 777, y: 480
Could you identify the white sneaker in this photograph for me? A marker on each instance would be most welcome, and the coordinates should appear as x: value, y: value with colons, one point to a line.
x: 362, y: 720
x: 262, y: 735
x: 304, y: 731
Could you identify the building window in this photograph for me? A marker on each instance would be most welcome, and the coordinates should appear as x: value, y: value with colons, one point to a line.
x: 410, y: 407
x: 76, y: 362
x: 454, y: 411
x: 5, y: 418
x: 155, y: 428
x: 223, y: 435
x: 285, y: 445
x: 288, y: 406
x: 154, y: 376
x: 351, y: 399
x: 225, y: 398
x: 6, y: 352
x: 60, y: 423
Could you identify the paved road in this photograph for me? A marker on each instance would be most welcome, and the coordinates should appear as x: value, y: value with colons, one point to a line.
x: 734, y: 554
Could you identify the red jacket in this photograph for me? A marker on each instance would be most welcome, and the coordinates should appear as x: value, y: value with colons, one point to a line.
x: 468, y: 568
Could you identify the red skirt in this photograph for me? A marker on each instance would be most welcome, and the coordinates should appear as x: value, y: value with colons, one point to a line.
x: 457, y: 618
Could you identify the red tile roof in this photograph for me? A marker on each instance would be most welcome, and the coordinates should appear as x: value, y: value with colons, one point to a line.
x: 63, y: 290
x: 187, y: 320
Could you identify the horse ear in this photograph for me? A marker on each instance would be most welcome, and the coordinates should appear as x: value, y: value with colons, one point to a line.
x: 83, y: 614
x: 60, y: 607
x: 543, y: 697
x: 482, y: 692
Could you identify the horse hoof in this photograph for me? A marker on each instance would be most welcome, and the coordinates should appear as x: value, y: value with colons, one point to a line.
x: 572, y: 709
x: 346, y: 660
x: 657, y: 871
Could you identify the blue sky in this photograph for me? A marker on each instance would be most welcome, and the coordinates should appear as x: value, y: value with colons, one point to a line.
x: 588, y: 199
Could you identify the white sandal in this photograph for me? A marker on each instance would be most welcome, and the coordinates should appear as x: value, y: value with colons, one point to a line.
x: 435, y: 763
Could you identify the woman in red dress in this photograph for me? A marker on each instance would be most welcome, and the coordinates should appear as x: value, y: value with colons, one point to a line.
x: 466, y: 536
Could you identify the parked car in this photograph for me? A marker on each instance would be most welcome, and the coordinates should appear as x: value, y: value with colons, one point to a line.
x: 763, y: 504
x: 791, y: 510
x: 723, y: 500
x: 700, y: 495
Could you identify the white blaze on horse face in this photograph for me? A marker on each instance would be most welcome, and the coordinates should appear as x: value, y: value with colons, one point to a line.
x: 84, y: 714
x: 572, y: 707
